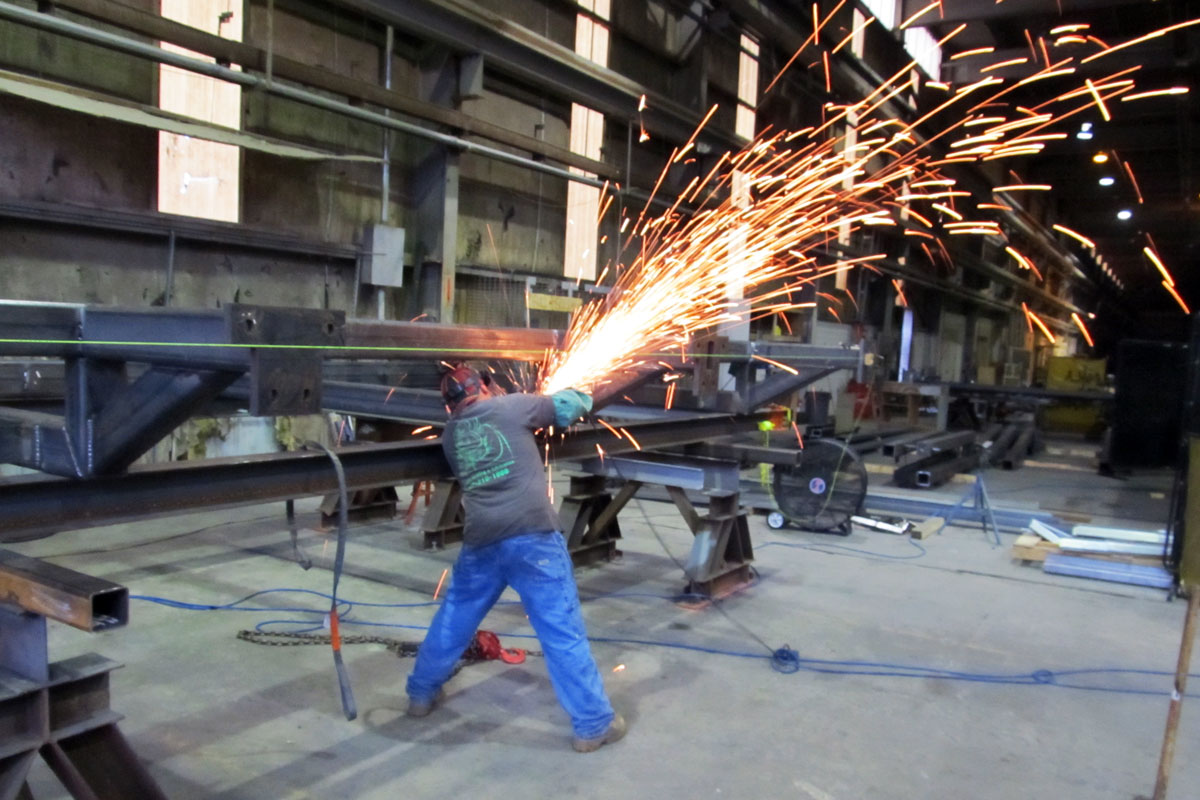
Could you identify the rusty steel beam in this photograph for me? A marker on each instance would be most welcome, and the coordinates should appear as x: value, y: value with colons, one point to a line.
x: 371, y: 339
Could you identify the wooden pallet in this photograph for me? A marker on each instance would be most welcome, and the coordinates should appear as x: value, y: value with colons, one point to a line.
x: 1031, y: 548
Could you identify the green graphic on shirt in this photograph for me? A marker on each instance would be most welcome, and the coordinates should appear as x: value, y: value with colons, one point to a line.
x: 483, y: 453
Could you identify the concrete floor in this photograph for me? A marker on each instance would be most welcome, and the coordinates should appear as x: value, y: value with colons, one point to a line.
x: 219, y: 718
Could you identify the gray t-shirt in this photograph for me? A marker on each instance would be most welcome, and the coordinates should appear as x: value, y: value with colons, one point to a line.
x: 491, y: 448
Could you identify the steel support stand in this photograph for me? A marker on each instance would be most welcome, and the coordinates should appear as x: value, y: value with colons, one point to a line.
x: 61, y: 712
x: 443, y: 521
x: 721, y: 552
x: 366, y: 505
x: 982, y: 505
x: 588, y: 518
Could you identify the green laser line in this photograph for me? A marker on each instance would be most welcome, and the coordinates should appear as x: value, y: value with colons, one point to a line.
x: 368, y: 348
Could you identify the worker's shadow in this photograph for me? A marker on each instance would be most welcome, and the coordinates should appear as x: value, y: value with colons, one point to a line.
x: 515, y: 706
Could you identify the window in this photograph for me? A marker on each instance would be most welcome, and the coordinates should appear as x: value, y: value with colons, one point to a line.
x: 923, y: 48
x: 587, y: 139
x: 747, y: 88
x: 199, y: 178
x: 883, y: 10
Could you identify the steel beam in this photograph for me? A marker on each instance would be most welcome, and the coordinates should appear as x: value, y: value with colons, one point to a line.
x: 31, y: 379
x: 104, y: 38
x: 36, y: 504
x: 701, y: 474
x: 510, y: 48
x: 370, y: 400
x: 782, y: 383
x: 369, y: 339
x: 256, y: 59
x: 989, y: 11
x: 222, y: 339
x: 1008, y: 519
x: 83, y: 601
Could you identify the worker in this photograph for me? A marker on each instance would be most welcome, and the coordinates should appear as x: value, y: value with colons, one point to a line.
x: 511, y: 538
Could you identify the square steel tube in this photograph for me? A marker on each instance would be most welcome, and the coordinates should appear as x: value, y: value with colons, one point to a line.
x: 58, y: 593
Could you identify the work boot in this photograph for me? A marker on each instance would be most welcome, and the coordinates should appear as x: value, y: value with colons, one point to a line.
x: 616, y: 729
x: 421, y: 708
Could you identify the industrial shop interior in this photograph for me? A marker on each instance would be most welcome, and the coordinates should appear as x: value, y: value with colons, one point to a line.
x: 768, y: 399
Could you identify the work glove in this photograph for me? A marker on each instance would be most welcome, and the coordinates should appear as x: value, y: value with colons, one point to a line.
x: 570, y: 405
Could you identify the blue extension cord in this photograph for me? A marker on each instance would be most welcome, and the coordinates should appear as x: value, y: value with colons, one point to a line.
x: 784, y: 659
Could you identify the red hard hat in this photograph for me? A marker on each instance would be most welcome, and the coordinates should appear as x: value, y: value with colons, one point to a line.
x: 460, y: 383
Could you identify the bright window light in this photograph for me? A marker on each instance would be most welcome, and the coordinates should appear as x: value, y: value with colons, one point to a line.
x: 196, y: 177
x: 586, y: 138
x: 747, y: 88
x: 923, y: 48
x: 883, y: 10
x: 1107, y: 181
x: 1124, y: 214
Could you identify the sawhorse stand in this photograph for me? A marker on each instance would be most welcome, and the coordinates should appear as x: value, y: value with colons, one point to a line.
x: 978, y: 496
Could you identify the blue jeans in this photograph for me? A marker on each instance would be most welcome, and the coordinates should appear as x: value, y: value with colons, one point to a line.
x: 539, y: 568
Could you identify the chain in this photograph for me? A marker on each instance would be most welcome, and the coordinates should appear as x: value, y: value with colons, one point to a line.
x: 401, y: 648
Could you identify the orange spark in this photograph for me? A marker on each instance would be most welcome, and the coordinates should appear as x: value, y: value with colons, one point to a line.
x: 632, y: 440
x: 1083, y: 329
x: 1132, y: 42
x: 1099, y: 100
x: 1156, y: 93
x: 1178, y: 299
x: 1046, y: 331
x: 442, y: 579
x: 1012, y: 62
x: 799, y: 438
x: 978, y: 51
x: 1075, y: 235
x: 949, y: 211
x: 1154, y: 259
x: 1133, y: 179
x: 915, y: 16
x: 774, y: 363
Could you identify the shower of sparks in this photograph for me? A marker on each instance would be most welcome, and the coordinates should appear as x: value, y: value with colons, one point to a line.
x: 750, y: 228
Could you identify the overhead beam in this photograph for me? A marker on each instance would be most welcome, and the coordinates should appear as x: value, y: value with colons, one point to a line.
x: 254, y: 58
x: 512, y: 49
x: 961, y: 11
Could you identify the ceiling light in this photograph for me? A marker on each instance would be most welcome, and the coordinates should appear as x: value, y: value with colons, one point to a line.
x: 1107, y: 180
x: 1124, y: 213
x: 1091, y: 315
x: 1085, y: 131
x: 1100, y: 158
